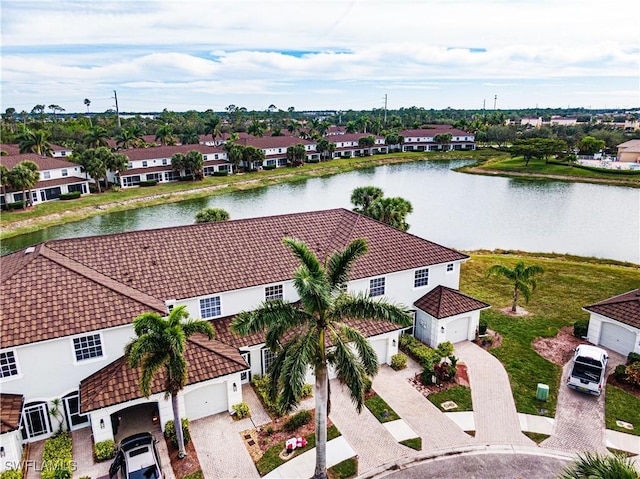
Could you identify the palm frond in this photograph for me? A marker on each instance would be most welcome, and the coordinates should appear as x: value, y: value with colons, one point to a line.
x: 366, y: 354
x: 314, y: 290
x: 151, y: 364
x: 340, y: 263
x: 595, y: 466
x: 147, y: 322
x: 194, y: 326
x: 501, y: 270
x: 361, y: 306
x: 301, y: 251
x: 266, y: 315
x: 297, y: 357
x: 348, y: 370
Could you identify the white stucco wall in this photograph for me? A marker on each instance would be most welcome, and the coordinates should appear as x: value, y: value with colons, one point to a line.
x: 595, y: 327
x: 12, y: 445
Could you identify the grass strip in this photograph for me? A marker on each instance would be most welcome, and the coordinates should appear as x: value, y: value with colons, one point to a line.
x: 344, y: 470
x: 622, y: 406
x: 380, y: 409
x: 461, y: 395
x: 414, y: 443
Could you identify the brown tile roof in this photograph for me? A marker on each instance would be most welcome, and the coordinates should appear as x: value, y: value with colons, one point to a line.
x: 10, y: 149
x: 434, y: 130
x: 351, y: 137
x: 10, y: 412
x: 43, y: 162
x: 624, y: 308
x: 442, y: 302
x: 46, y: 295
x: 167, y: 151
x: 67, y: 180
x: 267, y: 142
x: 118, y: 382
x: 170, y: 263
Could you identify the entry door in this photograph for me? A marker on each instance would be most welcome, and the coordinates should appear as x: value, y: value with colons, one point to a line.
x: 36, y: 420
x: 245, y: 376
x: 72, y: 409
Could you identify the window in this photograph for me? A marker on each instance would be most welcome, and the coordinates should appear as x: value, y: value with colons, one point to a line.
x: 129, y: 165
x: 87, y: 347
x: 421, y: 278
x: 65, y: 172
x: 273, y: 292
x: 164, y: 161
x: 46, y: 174
x: 450, y: 267
x: 144, y: 164
x: 210, y: 307
x: 63, y: 153
x: 376, y: 287
x: 8, y: 364
x: 267, y: 359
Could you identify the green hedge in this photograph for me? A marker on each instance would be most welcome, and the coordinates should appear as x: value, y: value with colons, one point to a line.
x: 313, y: 160
x: 104, y: 450
x: 57, y: 457
x: 421, y: 353
x: 16, y: 205
x: 581, y: 328
x: 597, y: 170
x: 11, y: 474
x: 269, y: 167
x: 298, y: 419
x: 170, y: 432
x: 73, y: 195
x: 148, y: 183
x: 262, y: 386
x: 220, y: 173
x: 186, y: 178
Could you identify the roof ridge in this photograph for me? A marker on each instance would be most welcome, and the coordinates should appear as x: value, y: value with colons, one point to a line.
x: 346, y: 223
x: 216, y: 351
x: 7, y: 273
x: 623, y: 297
x: 102, y: 279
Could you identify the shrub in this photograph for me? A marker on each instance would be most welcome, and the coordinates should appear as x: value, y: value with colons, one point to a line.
x: 426, y: 376
x: 298, y: 419
x: 269, y: 167
x: 11, y: 474
x: 220, y: 173
x: 423, y: 354
x: 16, y: 205
x: 57, y: 458
x: 580, y: 328
x: 368, y: 383
x: 633, y: 358
x: 170, y: 432
x: 444, y: 372
x: 70, y: 196
x: 242, y: 410
x: 104, y: 450
x: 116, y: 188
x: 445, y: 349
x: 620, y: 373
x: 148, y: 183
x: 347, y: 154
x: 398, y: 362
x: 269, y: 430
x: 186, y: 178
x: 633, y: 374
x: 307, y: 390
x: 313, y: 160
x: 262, y: 385
x: 482, y: 326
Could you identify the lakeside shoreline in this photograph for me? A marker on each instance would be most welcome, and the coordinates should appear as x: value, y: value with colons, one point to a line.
x: 181, y: 192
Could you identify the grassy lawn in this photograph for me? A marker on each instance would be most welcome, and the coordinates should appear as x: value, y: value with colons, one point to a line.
x: 343, y: 470
x: 620, y: 405
x: 271, y: 458
x: 414, y: 443
x: 48, y: 214
x: 507, y: 164
x: 567, y: 285
x: 380, y: 409
x: 460, y: 395
x: 536, y: 437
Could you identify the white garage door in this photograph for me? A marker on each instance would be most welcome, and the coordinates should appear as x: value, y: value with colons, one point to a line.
x: 380, y: 346
x: 457, y: 330
x: 205, y: 401
x: 617, y: 338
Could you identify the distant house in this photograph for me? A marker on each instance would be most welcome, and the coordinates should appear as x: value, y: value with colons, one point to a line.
x: 424, y: 139
x: 615, y: 323
x: 563, y: 121
x: 629, y: 151
x: 347, y: 144
x: 534, y: 122
x: 65, y: 338
x: 57, y: 177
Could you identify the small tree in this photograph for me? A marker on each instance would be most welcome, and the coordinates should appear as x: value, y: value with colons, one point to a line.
x: 523, y: 278
x: 24, y: 176
x: 212, y: 215
x: 596, y: 466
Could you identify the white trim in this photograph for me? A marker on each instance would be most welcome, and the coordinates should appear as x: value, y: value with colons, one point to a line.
x: 78, y: 362
x: 19, y: 374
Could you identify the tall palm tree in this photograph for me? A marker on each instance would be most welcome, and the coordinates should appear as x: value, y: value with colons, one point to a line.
x: 160, y: 345
x: 523, y: 278
x: 87, y: 102
x: 363, y: 196
x: 126, y: 139
x: 96, y: 136
x: 212, y: 127
x: 595, y: 466
x: 308, y: 325
x: 165, y: 135
x: 24, y: 176
x: 35, y: 141
x: 391, y: 211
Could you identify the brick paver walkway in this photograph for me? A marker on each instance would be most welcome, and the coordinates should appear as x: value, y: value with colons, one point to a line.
x: 494, y: 409
x: 436, y: 429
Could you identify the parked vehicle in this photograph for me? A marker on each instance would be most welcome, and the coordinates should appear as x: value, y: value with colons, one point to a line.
x: 137, y: 458
x: 588, y: 372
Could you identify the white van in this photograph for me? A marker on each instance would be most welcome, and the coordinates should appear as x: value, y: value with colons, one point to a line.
x: 588, y: 372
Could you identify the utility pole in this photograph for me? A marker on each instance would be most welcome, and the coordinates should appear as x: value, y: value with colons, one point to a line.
x: 495, y: 100
x: 484, y: 104
x: 385, y: 110
x: 115, y: 97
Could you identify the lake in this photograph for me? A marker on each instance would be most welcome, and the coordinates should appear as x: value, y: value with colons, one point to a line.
x: 454, y: 209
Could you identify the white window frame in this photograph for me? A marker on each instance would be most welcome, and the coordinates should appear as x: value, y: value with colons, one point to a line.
x: 272, y: 292
x: 376, y: 285
x: 450, y: 268
x: 74, y: 349
x: 204, y: 309
x: 422, y: 277
x: 65, y: 172
x: 145, y: 163
x: 46, y: 175
x: 17, y: 375
x: 263, y: 353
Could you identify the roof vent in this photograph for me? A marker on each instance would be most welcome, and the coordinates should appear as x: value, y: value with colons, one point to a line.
x: 29, y: 250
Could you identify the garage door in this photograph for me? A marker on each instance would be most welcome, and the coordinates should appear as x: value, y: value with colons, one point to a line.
x: 205, y: 401
x: 457, y: 330
x: 617, y: 338
x: 380, y: 346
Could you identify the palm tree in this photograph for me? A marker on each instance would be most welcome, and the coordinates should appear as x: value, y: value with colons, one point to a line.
x: 523, y: 278
x: 212, y: 127
x: 194, y: 161
x: 256, y: 128
x: 212, y: 215
x: 54, y: 109
x: 165, y: 135
x: 126, y: 139
x: 35, y: 141
x: 160, y: 345
x: 24, y: 176
x: 87, y: 102
x: 363, y: 196
x: 189, y: 137
x: 96, y: 136
x: 595, y: 466
x: 391, y: 211
x: 309, y: 324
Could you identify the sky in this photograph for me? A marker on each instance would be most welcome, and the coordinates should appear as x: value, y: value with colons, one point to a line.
x: 319, y: 54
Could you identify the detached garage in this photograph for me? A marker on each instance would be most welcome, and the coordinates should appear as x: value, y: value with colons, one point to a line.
x: 615, y: 323
x: 445, y: 314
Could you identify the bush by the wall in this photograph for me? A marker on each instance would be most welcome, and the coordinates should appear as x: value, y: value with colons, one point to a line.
x: 262, y: 386
x: 11, y: 474
x: 104, y: 450
x: 186, y: 178
x: 298, y: 419
x: 220, y: 173
x: 633, y: 374
x: 633, y: 358
x: 242, y: 410
x: 269, y: 167
x: 142, y: 184
x: 482, y: 326
x: 620, y: 373
x: 581, y: 328
x: 423, y: 354
x: 313, y: 160
x: 307, y: 391
x: 57, y: 457
x: 70, y: 196
x: 398, y: 361
x: 170, y: 432
x: 445, y: 349
x: 368, y: 383
x: 16, y: 205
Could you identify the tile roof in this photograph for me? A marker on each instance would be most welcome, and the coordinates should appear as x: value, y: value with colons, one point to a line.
x: 434, y: 130
x: 106, y: 281
x: 10, y: 412
x: 10, y: 149
x: 117, y: 382
x: 267, y: 142
x: 624, y: 308
x: 442, y: 302
x: 43, y: 162
x: 167, y: 151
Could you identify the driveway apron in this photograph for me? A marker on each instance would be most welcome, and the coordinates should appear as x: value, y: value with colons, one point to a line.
x: 494, y: 409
